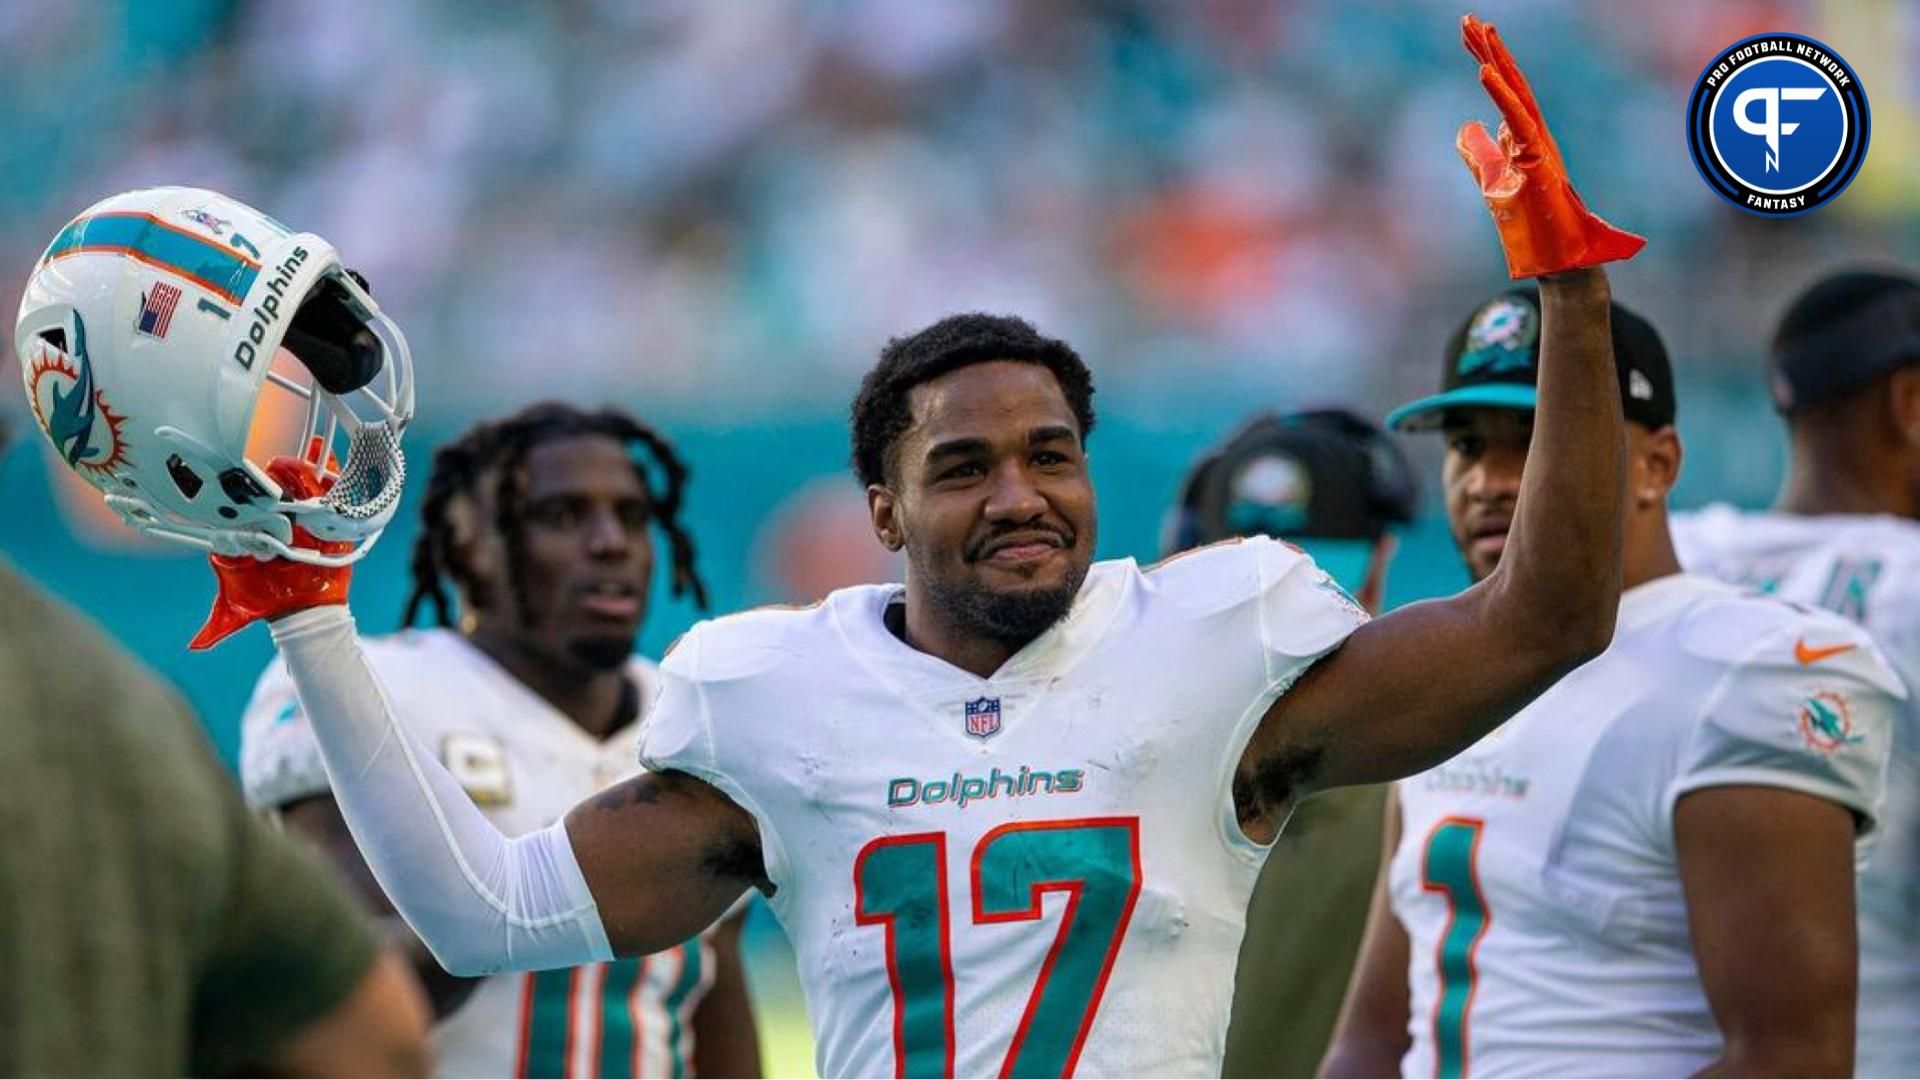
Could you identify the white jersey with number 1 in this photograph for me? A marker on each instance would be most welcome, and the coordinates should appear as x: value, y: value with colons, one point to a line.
x: 1866, y: 568
x: 525, y: 765
x: 1536, y: 874
x: 1031, y: 874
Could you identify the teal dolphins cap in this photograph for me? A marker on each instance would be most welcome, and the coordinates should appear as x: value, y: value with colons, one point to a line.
x: 1492, y: 361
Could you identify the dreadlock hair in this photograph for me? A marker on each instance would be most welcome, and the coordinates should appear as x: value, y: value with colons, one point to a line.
x: 497, y: 448
x: 880, y: 410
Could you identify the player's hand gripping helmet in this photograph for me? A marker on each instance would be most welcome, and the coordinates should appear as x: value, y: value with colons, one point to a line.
x: 150, y: 331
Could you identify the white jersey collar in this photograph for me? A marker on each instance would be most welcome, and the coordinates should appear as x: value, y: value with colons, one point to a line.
x: 1730, y: 526
x: 1651, y: 601
x: 861, y: 618
x: 532, y: 705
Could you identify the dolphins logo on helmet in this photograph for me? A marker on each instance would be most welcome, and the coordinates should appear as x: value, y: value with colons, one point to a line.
x: 83, y: 428
x: 162, y: 423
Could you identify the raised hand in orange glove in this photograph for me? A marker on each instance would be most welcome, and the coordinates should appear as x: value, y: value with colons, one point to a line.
x: 252, y: 588
x: 1544, y: 227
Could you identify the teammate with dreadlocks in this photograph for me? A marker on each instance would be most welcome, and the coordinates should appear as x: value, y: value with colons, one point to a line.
x: 533, y: 561
x: 500, y: 449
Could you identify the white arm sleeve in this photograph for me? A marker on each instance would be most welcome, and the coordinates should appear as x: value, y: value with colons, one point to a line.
x: 279, y: 761
x: 482, y: 902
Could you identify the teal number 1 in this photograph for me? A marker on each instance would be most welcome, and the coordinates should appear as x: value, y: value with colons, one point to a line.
x: 900, y: 884
x: 1450, y: 867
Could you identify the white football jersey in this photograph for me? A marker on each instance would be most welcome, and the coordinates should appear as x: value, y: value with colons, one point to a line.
x: 1018, y: 875
x: 1866, y: 568
x: 1536, y: 875
x: 525, y: 764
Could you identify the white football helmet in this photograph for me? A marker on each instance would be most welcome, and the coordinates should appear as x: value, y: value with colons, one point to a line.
x: 150, y: 330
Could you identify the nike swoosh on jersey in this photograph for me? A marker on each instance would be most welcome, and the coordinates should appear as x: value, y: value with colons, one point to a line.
x: 1807, y: 654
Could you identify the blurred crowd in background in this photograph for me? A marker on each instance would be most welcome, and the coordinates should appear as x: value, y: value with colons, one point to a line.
x: 715, y: 213
x: 728, y: 206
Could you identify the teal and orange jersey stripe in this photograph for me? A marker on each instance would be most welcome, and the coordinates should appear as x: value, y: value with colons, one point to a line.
x: 680, y: 1003
x: 629, y: 1018
x: 220, y: 270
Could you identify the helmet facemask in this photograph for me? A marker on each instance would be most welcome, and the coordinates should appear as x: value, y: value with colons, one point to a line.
x: 356, y: 397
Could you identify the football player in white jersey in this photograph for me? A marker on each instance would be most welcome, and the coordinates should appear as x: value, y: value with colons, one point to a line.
x: 1011, y: 811
x: 1649, y: 870
x: 540, y: 522
x: 1845, y: 536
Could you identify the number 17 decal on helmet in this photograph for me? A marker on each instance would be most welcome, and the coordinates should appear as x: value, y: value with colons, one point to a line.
x: 153, y: 330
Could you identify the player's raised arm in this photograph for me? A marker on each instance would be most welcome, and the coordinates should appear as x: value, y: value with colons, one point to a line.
x: 643, y: 866
x: 1412, y: 688
x: 672, y: 850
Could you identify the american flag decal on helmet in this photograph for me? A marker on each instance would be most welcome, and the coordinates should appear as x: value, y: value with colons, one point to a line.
x: 156, y: 309
x: 983, y: 717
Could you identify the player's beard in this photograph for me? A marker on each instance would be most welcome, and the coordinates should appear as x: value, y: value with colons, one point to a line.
x: 1010, y: 618
x: 601, y: 652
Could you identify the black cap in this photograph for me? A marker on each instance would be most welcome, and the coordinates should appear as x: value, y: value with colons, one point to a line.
x: 1493, y: 361
x: 1324, y: 474
x: 1846, y: 330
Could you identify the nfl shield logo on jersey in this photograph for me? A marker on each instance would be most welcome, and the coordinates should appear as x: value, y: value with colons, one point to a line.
x: 983, y: 717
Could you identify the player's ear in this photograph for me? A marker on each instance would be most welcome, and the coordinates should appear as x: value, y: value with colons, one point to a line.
x: 1904, y: 399
x: 1656, y: 466
x: 474, y: 553
x: 885, y: 512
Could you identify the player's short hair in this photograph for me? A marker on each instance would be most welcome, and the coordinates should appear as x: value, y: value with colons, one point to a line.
x: 496, y: 448
x: 1842, y: 334
x: 881, y: 412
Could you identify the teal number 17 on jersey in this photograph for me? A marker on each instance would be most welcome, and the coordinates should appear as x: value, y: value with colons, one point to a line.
x: 900, y: 885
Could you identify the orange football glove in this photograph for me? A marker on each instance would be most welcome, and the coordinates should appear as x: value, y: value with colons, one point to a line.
x: 1544, y: 227
x: 253, y: 588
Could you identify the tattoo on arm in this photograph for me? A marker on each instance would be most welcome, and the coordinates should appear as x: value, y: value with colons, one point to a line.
x: 739, y: 857
x: 640, y: 791
x: 736, y: 856
x: 1265, y: 791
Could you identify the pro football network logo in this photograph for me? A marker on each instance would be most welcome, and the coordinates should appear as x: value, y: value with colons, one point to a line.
x: 983, y: 717
x: 1826, y: 722
x: 1778, y: 124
